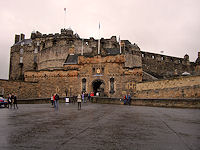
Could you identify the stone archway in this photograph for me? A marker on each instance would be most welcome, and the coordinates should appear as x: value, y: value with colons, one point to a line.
x: 98, y: 87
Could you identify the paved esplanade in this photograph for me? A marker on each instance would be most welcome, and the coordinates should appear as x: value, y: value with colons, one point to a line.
x: 99, y: 126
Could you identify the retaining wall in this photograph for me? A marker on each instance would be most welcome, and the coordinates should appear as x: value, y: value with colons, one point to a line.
x: 182, y: 87
x: 180, y: 103
x: 23, y: 90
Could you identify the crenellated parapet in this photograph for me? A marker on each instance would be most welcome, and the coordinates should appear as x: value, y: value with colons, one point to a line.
x: 163, y: 66
x: 50, y: 51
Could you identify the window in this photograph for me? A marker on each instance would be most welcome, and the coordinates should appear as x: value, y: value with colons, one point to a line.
x: 22, y: 43
x: 21, y: 51
x: 21, y: 60
x: 54, y: 42
x: 38, y: 43
x: 36, y: 50
x: 71, y: 43
x: 102, y: 70
x: 112, y: 85
x: 35, y: 59
x: 153, y: 57
x: 83, y: 85
x: 93, y: 70
x: 43, y: 45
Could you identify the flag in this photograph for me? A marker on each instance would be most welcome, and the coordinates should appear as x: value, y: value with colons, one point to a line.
x: 120, y: 47
x: 99, y: 25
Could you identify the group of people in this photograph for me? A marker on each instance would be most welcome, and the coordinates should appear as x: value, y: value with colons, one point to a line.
x: 55, y: 100
x: 86, y: 96
x: 79, y: 99
x: 12, y: 101
x: 83, y: 98
x: 127, y: 99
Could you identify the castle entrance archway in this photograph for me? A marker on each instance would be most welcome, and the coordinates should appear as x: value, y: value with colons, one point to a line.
x: 98, y: 87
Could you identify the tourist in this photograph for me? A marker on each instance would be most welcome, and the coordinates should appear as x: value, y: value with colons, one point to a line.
x: 92, y: 94
x: 9, y: 101
x: 52, y: 100
x: 12, y: 99
x: 79, y: 101
x: 89, y: 97
x: 83, y: 96
x: 129, y: 99
x: 125, y: 99
x: 56, y: 101
x: 74, y: 99
x: 15, y: 101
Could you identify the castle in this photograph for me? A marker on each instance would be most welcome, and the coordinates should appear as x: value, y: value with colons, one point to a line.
x: 67, y: 64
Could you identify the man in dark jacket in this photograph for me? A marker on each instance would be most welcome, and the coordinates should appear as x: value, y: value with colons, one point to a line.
x: 14, y: 100
x: 129, y: 99
x: 56, y: 101
x: 9, y: 101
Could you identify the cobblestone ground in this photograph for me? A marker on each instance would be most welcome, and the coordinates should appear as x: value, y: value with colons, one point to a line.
x: 99, y: 126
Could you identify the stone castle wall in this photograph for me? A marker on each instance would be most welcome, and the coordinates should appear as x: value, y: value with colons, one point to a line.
x: 23, y: 90
x: 62, y: 82
x: 17, y: 66
x: 183, y: 87
x: 48, y: 52
x: 70, y: 79
x: 162, y: 66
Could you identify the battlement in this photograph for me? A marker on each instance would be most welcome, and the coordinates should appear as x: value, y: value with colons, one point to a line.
x: 164, y: 58
x: 49, y: 51
x: 163, y: 66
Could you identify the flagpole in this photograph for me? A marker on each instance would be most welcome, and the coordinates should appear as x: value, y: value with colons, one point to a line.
x: 82, y: 47
x: 120, y: 47
x: 65, y: 18
x: 99, y: 40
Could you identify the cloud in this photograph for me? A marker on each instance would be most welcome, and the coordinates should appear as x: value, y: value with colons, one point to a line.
x: 171, y: 26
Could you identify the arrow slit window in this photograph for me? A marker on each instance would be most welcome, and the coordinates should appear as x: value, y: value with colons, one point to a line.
x: 112, y: 85
x: 83, y: 85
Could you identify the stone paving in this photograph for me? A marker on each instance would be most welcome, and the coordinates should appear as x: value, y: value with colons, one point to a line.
x: 99, y: 126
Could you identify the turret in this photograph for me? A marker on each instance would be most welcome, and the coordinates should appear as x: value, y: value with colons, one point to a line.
x: 22, y: 36
x: 197, y: 64
x: 17, y: 38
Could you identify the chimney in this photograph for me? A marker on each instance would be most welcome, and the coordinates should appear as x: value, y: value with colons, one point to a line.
x: 17, y: 37
x: 22, y: 36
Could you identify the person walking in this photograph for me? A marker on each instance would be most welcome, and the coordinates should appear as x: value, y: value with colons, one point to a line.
x: 52, y: 100
x: 83, y: 96
x: 79, y: 101
x: 125, y: 99
x: 56, y: 101
x: 129, y: 99
x: 9, y: 101
x: 12, y: 100
x: 15, y: 101
x: 86, y: 97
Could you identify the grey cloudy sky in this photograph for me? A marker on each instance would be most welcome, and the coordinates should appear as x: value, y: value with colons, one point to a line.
x: 172, y: 26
